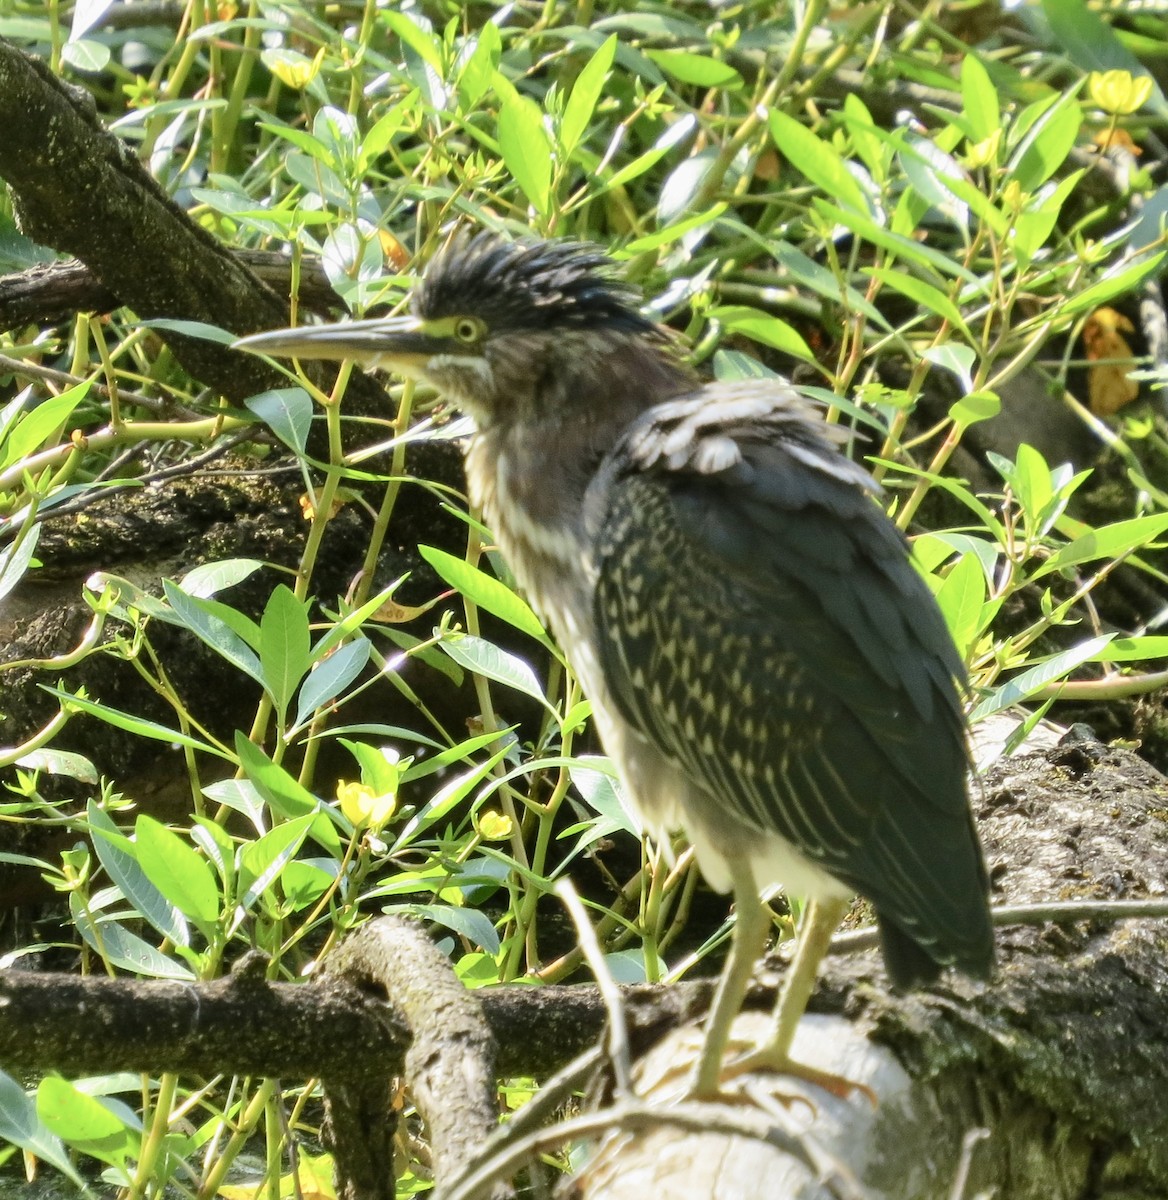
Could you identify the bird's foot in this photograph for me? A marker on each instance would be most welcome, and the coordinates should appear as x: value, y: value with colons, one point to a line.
x: 770, y: 1058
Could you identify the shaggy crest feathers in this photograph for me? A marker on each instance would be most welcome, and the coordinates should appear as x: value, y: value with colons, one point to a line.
x: 529, y: 286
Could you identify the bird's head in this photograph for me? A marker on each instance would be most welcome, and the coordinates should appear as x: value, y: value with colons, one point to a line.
x: 503, y: 329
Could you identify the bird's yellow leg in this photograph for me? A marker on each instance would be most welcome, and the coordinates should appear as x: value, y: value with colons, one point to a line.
x: 749, y: 935
x: 819, y: 924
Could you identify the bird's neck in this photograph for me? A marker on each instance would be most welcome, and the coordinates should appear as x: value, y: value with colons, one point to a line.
x: 529, y: 472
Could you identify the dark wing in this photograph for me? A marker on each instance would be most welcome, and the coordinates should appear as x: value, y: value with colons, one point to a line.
x: 760, y: 622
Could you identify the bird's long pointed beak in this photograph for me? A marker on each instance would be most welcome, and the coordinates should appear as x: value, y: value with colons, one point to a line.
x: 397, y: 343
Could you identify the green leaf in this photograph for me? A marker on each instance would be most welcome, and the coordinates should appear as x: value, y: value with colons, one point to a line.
x: 283, y: 793
x: 896, y: 243
x: 673, y: 136
x: 121, y: 859
x: 304, y: 882
x: 131, y: 723
x: 980, y: 98
x: 934, y: 175
x: 524, y: 145
x: 1025, y: 684
x: 818, y: 160
x: 925, y: 294
x: 84, y: 1122
x: 287, y: 412
x: 201, y: 330
x: 329, y: 678
x: 86, y: 55
x: 452, y: 793
x: 820, y: 280
x: 595, y: 779
x: 423, y: 43
x: 204, y: 581
x: 1045, y: 147
x: 584, y: 96
x: 762, y: 327
x: 1109, y: 541
x: 301, y: 139
x: 226, y: 630
x: 486, y: 659
x: 977, y: 406
x: 261, y: 862
x: 15, y: 559
x: 377, y: 140
x: 932, y: 549
x: 380, y: 770
x: 962, y: 597
x: 479, y: 67
x: 180, y: 873
x: 733, y: 364
x: 673, y: 232
x: 860, y: 127
x: 1133, y: 649
x: 467, y: 922
x: 20, y: 1125
x: 284, y: 647
x: 123, y: 948
x: 34, y: 428
x: 697, y: 69
x: 1117, y: 284
x: 953, y: 357
x: 1034, y: 224
x: 484, y: 590
x: 217, y: 845
x: 452, y: 754
x: 242, y: 796
x: 65, y: 763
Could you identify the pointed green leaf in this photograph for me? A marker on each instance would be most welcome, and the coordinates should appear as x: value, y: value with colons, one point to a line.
x: 487, y: 659
x: 1108, y: 541
x: 179, y: 872
x: 329, y: 678
x: 524, y: 145
x: 284, y: 646
x: 763, y: 327
x: 980, y: 98
x: 584, y: 95
x: 485, y: 590
x: 818, y: 160
x: 226, y: 630
x: 287, y: 412
x: 1025, y: 684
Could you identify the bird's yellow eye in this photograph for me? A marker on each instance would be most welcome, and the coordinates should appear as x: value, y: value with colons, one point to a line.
x: 467, y: 329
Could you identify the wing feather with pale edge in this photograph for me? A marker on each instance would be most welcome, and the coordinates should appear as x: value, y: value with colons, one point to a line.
x: 759, y: 621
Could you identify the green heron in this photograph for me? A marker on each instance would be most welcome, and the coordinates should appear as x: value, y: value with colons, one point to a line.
x: 766, y: 668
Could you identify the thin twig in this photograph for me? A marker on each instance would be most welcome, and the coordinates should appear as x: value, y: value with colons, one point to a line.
x: 1059, y: 912
x: 618, y: 1033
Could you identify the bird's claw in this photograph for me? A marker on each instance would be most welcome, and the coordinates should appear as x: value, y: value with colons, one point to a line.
x: 767, y: 1058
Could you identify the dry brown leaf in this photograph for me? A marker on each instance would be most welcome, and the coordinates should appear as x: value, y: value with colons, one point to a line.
x: 394, y: 251
x: 1105, y: 139
x: 308, y: 511
x: 393, y: 613
x: 1108, y: 387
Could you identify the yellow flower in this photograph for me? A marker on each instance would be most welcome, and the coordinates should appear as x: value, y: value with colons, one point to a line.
x: 981, y: 154
x: 494, y: 826
x: 1118, y: 92
x: 365, y: 807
